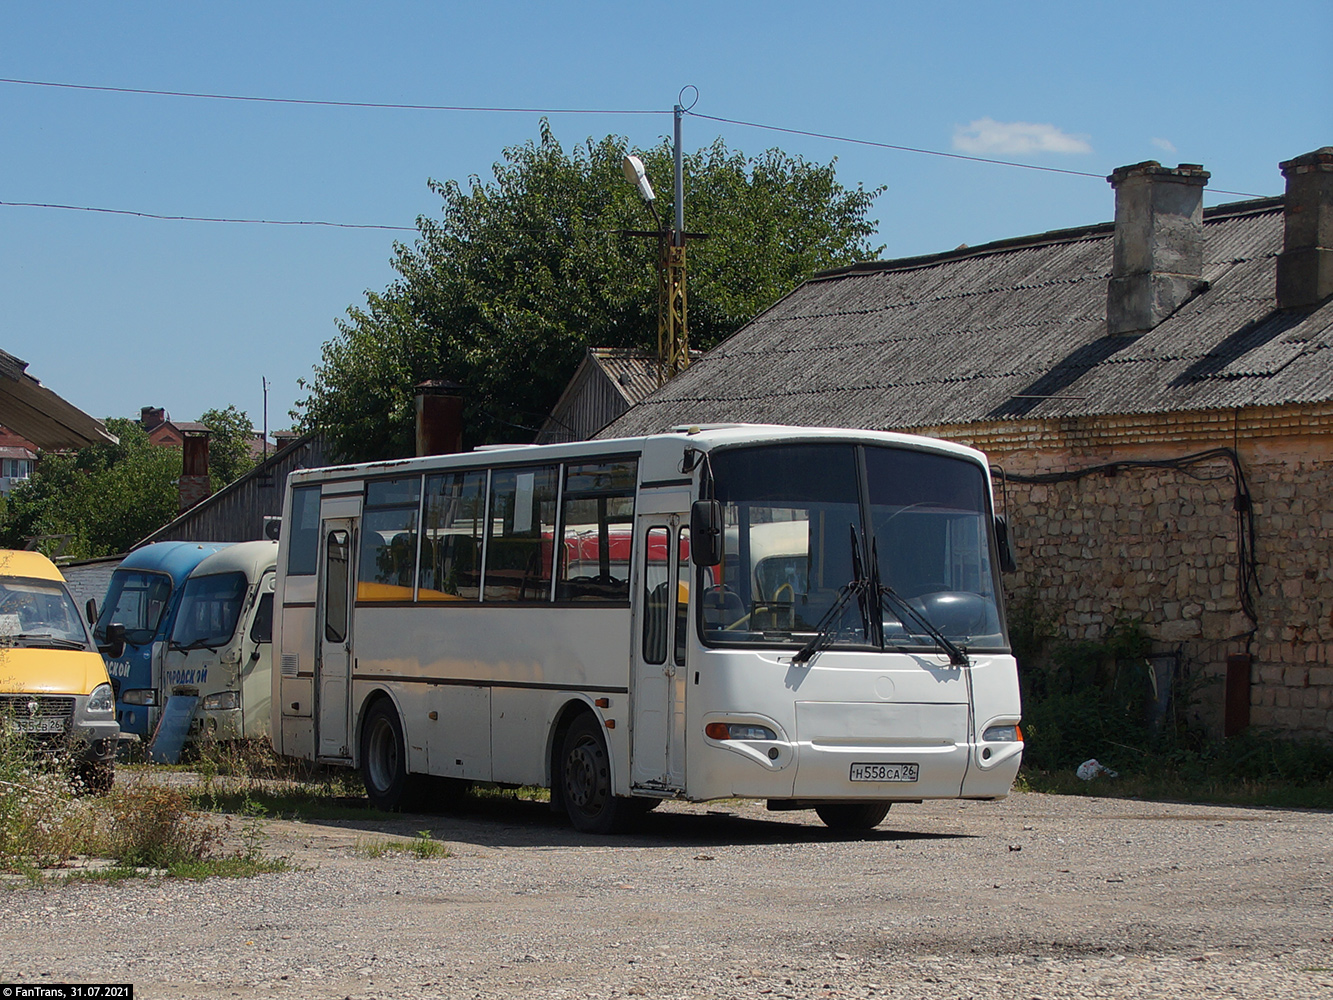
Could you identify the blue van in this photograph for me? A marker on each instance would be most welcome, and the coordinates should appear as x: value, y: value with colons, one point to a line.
x: 144, y: 596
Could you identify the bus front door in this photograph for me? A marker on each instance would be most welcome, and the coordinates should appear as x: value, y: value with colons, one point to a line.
x: 658, y: 736
x: 333, y: 641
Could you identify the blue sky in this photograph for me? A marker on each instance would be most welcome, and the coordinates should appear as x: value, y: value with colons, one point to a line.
x: 116, y: 312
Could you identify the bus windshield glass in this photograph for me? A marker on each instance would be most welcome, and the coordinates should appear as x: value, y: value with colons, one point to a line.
x: 803, y: 522
x: 137, y: 601
x: 209, y: 610
x: 39, y: 613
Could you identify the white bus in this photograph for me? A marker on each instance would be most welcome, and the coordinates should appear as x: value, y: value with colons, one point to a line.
x: 807, y: 616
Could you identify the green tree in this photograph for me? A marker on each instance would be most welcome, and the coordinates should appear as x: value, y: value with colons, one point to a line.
x: 504, y: 291
x: 229, y: 454
x: 102, y: 498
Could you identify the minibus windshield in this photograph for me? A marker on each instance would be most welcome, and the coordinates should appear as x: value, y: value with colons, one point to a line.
x: 210, y: 607
x: 39, y: 613
x: 137, y: 601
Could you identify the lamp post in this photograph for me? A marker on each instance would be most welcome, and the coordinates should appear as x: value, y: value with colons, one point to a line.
x: 673, y: 340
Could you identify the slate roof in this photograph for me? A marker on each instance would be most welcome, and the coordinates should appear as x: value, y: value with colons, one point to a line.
x: 1007, y: 330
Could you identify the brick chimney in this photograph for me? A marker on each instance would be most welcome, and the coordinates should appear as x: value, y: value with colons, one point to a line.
x: 194, y: 481
x: 1305, y: 265
x: 151, y: 417
x: 439, y: 409
x: 1158, y: 258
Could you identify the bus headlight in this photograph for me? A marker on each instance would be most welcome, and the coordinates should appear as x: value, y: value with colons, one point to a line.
x: 1002, y: 734
x: 139, y: 696
x: 738, y: 731
x: 222, y: 701
x: 102, y: 701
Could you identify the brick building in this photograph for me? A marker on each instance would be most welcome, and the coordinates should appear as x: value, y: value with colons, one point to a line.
x: 1158, y: 392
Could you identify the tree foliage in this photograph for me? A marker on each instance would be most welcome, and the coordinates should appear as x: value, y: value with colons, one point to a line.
x: 102, y: 498
x: 229, y: 454
x: 518, y: 275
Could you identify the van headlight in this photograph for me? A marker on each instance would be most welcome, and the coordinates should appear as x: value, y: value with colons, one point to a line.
x: 1002, y: 734
x: 139, y: 696
x: 102, y: 701
x: 222, y: 701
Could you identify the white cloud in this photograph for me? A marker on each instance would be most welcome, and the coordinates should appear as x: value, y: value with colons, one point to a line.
x: 986, y: 135
x: 1165, y: 145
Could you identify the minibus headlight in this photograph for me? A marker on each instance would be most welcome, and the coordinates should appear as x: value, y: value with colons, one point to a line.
x: 738, y: 731
x: 102, y: 701
x: 221, y: 701
x: 1002, y: 734
x: 139, y: 696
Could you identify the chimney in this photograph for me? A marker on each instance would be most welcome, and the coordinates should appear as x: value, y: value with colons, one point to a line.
x: 439, y: 409
x: 1158, y: 259
x: 284, y: 438
x: 194, y: 482
x: 1305, y: 265
x: 151, y: 417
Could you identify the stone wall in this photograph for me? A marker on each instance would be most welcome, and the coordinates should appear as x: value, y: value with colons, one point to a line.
x: 1164, y: 546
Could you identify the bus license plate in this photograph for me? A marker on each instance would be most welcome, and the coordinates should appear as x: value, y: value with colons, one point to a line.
x: 885, y: 772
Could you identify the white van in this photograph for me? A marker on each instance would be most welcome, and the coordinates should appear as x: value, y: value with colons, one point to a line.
x: 222, y: 641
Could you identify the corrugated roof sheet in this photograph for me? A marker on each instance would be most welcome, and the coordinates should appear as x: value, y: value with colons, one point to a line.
x: 1014, y: 329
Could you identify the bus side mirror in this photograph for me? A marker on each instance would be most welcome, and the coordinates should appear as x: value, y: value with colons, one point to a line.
x: 115, y: 641
x: 1007, y: 564
x: 706, y: 533
x: 272, y: 527
x: 90, y: 611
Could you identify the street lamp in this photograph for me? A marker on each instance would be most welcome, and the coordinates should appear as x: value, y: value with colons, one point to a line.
x: 673, y: 342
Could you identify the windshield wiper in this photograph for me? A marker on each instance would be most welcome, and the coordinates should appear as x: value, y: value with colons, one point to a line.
x: 859, y: 586
x: 46, y: 639
x: 957, y: 655
x: 204, y: 643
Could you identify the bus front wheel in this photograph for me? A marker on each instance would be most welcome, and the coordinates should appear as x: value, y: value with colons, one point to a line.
x: 852, y: 816
x: 585, y: 774
x: 384, y: 759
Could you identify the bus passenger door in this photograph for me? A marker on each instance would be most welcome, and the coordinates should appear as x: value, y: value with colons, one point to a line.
x: 333, y: 639
x: 658, y: 736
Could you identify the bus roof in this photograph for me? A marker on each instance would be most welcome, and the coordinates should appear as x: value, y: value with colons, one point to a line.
x: 176, y: 559
x: 251, y: 558
x: 704, y: 438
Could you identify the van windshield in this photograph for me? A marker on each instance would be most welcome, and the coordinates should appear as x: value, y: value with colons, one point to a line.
x: 803, y: 521
x: 136, y: 600
x: 210, y: 608
x: 39, y: 613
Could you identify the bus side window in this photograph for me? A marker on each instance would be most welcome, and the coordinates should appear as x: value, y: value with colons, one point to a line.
x: 656, y: 588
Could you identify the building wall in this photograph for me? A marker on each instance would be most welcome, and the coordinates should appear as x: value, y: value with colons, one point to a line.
x: 1164, y: 546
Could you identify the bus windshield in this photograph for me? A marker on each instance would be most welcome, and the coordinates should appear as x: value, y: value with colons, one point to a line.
x: 39, y: 613
x: 802, y: 521
x: 209, y: 610
x: 135, y: 600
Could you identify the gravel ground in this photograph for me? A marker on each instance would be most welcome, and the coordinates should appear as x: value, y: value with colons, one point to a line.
x: 1034, y: 897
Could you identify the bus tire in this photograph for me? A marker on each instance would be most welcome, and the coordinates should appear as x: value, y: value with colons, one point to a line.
x: 585, y: 775
x: 384, y: 760
x: 853, y: 816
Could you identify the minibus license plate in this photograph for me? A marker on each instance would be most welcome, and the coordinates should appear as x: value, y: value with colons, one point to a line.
x: 885, y: 772
x: 40, y: 724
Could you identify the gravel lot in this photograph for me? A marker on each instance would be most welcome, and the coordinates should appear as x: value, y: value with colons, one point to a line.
x: 1036, y: 896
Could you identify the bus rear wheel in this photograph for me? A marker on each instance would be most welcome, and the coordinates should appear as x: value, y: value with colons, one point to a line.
x: 852, y: 816
x: 585, y: 776
x: 384, y: 760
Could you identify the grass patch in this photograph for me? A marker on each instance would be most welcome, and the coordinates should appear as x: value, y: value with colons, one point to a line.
x: 142, y: 826
x: 422, y: 846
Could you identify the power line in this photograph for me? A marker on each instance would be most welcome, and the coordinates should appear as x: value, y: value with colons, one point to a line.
x: 332, y: 104
x: 199, y: 218
x: 929, y: 152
